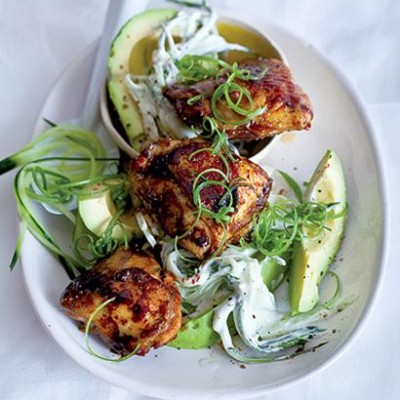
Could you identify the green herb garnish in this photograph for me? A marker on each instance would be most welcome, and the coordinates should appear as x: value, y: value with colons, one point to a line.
x: 87, y: 330
x: 280, y: 226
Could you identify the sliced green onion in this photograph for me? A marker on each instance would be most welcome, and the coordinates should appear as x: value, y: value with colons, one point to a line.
x: 22, y: 230
x: 36, y: 227
x: 87, y: 330
x: 58, y: 140
x: 56, y: 189
x: 293, y: 185
x: 193, y: 68
x: 277, y: 228
x: 48, y: 122
x: 195, y: 99
x: 314, y: 218
x: 270, y: 239
x: 296, y: 349
x: 220, y: 145
x: 332, y: 301
x: 223, y: 96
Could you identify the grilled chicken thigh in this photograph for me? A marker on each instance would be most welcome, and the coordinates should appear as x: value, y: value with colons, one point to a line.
x: 287, y: 107
x: 146, y: 310
x: 163, y: 178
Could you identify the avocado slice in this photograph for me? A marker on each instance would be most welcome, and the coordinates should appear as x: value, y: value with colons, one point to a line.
x: 313, y: 256
x: 124, y: 49
x: 96, y: 212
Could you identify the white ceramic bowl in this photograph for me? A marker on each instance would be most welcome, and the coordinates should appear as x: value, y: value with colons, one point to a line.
x: 125, y: 146
x: 341, y: 124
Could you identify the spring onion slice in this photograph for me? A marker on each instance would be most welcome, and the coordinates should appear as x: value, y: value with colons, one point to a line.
x: 87, y: 330
x: 225, y: 203
x: 328, y: 304
x: 220, y: 145
x: 74, y: 158
x: 28, y: 215
x: 293, y: 185
x: 222, y: 96
x: 275, y: 229
x: 22, y: 231
x: 56, y: 140
x: 55, y: 166
x: 197, y: 68
x: 278, y: 228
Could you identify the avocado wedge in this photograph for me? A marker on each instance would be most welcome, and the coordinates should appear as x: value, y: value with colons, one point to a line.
x: 126, y: 49
x: 313, y: 256
x: 96, y: 212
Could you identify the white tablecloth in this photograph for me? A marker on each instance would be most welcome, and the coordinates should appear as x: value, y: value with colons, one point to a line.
x: 39, y: 38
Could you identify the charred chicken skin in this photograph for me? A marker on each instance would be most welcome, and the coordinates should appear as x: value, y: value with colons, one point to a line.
x: 146, y: 311
x: 285, y: 106
x: 163, y: 178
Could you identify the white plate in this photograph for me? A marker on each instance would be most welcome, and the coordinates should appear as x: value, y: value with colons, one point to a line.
x: 340, y: 124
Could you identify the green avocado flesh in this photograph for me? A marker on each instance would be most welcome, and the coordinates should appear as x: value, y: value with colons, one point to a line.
x: 313, y: 257
x: 272, y: 274
x: 197, y: 333
x: 127, y: 45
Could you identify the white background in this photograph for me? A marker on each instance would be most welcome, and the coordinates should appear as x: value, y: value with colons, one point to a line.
x: 39, y: 38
